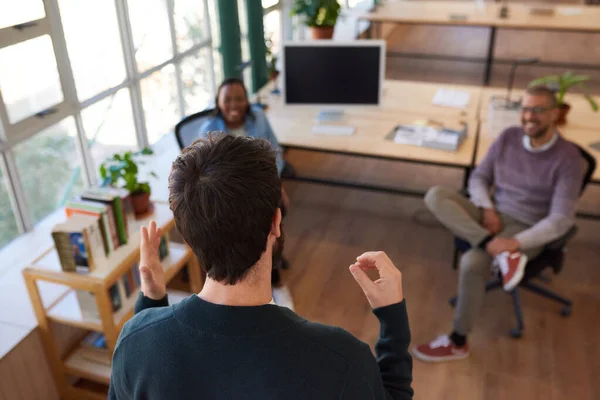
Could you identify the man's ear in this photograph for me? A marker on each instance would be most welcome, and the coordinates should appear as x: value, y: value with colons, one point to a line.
x: 276, y: 223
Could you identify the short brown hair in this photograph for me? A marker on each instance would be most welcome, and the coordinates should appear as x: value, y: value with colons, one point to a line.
x: 542, y: 90
x: 224, y: 192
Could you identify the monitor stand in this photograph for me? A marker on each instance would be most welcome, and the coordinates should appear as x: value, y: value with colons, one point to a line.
x: 331, y: 116
x: 332, y: 122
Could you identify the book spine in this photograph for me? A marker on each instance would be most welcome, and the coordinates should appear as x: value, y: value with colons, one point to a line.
x: 65, y: 253
x: 88, y: 248
x: 113, y: 226
x: 105, y: 228
x: 94, y: 246
x: 120, y: 218
x: 129, y: 214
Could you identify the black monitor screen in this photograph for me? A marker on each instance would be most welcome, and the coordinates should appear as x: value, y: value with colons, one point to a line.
x: 332, y: 74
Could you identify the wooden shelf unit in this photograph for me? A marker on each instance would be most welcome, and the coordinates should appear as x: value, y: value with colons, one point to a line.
x: 66, y: 309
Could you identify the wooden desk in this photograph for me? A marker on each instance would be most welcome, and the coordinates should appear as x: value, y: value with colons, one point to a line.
x: 463, y: 13
x: 403, y: 103
x: 581, y: 136
x: 446, y: 12
x: 580, y: 116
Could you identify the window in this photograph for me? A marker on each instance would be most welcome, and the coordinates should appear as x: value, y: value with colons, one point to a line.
x: 18, y: 12
x: 8, y: 222
x: 151, y: 32
x: 159, y: 95
x: 49, y: 168
x: 81, y: 80
x: 190, y: 23
x: 29, y: 78
x: 92, y: 36
x: 196, y: 80
x: 109, y: 127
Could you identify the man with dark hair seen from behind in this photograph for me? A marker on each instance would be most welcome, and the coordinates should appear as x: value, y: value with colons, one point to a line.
x: 230, y: 341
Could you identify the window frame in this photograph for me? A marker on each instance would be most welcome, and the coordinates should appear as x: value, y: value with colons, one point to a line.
x: 51, y: 25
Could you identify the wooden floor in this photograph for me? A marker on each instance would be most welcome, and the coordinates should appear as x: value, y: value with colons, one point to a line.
x: 328, y: 227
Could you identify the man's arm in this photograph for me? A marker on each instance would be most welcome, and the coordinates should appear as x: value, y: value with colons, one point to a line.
x: 562, y: 208
x: 482, y: 179
x: 142, y: 303
x: 391, y: 376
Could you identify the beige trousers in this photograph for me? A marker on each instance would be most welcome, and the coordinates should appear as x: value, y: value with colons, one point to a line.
x: 463, y: 219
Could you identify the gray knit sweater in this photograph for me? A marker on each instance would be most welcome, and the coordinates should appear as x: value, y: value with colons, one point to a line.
x: 537, y: 188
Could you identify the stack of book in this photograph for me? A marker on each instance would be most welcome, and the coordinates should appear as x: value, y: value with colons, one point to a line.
x: 428, y: 134
x: 93, y: 348
x: 98, y: 222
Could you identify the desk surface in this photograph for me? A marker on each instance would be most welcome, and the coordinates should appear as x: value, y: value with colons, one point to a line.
x: 581, y: 136
x: 579, y: 18
x: 580, y: 116
x: 293, y: 125
x: 406, y: 96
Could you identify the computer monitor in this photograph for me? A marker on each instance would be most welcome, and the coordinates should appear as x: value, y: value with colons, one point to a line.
x: 333, y: 74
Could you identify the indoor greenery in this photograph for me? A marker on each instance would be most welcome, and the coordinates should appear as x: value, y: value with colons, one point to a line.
x: 122, y: 170
x: 271, y: 57
x: 318, y: 13
x: 562, y: 84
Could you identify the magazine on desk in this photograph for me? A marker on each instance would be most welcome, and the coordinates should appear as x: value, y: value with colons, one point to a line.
x: 427, y: 134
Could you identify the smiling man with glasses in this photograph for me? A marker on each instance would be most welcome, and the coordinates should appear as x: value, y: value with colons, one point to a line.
x: 536, y: 176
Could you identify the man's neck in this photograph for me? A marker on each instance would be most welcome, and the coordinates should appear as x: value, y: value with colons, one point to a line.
x: 253, y: 290
x: 542, y: 140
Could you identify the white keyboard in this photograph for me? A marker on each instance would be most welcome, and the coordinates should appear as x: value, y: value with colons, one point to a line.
x: 337, y: 130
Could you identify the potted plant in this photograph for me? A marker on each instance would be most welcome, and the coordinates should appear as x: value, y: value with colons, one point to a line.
x: 561, y: 84
x: 320, y: 16
x: 122, y: 170
x: 271, y: 59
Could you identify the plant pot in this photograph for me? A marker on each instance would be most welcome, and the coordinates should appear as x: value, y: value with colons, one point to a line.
x: 141, y: 202
x: 321, y: 32
x: 563, y: 110
x: 273, y: 75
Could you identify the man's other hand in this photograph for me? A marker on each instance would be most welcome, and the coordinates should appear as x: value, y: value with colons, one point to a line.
x: 492, y: 221
x: 151, y: 271
x: 386, y: 290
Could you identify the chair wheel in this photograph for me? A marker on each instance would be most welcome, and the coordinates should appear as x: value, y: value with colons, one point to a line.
x: 452, y: 302
x: 516, y: 333
x: 565, y: 311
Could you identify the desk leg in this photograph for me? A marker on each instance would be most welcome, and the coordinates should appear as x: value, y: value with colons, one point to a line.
x: 490, y: 56
x: 466, y: 177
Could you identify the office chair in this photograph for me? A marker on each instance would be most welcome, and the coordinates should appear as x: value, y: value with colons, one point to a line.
x: 186, y: 131
x: 551, y: 256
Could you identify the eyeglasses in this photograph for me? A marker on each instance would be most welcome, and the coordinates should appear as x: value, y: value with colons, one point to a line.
x: 535, y: 110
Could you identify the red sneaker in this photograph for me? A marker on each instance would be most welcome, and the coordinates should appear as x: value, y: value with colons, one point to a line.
x: 512, y: 267
x: 441, y: 349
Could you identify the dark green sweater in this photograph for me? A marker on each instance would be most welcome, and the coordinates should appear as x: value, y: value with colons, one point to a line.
x: 199, y: 350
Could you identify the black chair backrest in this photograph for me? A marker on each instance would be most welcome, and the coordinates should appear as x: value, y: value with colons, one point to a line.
x: 186, y: 131
x: 591, y: 161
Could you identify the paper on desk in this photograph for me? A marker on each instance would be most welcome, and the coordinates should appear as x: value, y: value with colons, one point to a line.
x: 569, y: 11
x: 451, y: 98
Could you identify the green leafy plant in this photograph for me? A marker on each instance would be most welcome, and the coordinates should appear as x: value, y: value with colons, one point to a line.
x: 271, y: 57
x: 318, y: 13
x: 562, y: 84
x: 122, y: 170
